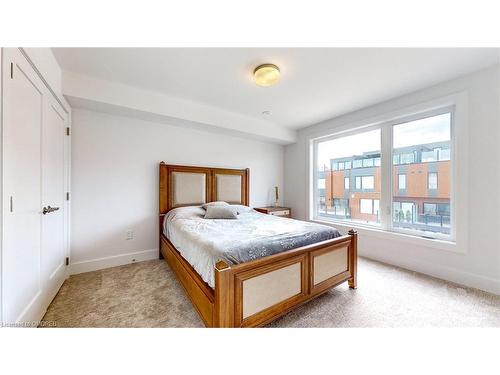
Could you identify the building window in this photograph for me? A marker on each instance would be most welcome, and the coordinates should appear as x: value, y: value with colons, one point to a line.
x: 345, y: 152
x: 430, y: 208
x: 432, y: 181
x: 369, y: 206
x: 366, y: 206
x: 357, y: 163
x: 358, y: 182
x: 367, y: 162
x: 367, y: 182
x: 402, y: 181
x: 407, y: 158
x: 417, y: 140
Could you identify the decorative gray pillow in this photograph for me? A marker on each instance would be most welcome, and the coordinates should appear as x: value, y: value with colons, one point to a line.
x: 221, y: 212
x: 217, y: 203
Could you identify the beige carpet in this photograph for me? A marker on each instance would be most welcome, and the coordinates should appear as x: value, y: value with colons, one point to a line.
x: 147, y: 294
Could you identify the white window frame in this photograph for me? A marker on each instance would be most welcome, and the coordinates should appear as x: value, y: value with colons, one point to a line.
x: 399, y: 181
x: 361, y: 205
x: 363, y: 184
x: 386, y: 198
x: 429, y: 180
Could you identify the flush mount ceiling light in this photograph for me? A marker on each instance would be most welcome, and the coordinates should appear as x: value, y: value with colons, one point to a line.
x: 266, y: 74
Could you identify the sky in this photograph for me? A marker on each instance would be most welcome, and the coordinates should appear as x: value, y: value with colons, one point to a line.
x: 427, y: 130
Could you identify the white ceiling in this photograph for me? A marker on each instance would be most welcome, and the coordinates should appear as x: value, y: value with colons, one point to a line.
x: 316, y: 83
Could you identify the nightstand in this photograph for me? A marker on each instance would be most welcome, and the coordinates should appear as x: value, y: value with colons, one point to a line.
x: 276, y: 211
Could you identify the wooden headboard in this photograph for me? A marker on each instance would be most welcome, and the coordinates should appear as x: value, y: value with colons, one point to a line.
x: 182, y: 185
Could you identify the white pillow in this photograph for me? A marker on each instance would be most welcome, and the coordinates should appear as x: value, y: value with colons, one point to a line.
x: 217, y: 203
x: 221, y: 212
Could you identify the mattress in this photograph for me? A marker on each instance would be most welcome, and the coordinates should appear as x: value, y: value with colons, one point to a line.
x: 204, y: 242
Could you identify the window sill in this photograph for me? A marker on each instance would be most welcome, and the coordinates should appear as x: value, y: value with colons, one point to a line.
x: 394, y: 236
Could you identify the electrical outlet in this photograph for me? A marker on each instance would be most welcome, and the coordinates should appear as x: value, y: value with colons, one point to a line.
x: 129, y: 235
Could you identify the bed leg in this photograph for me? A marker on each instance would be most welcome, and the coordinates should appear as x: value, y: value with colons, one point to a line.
x: 353, y: 260
x: 224, y: 296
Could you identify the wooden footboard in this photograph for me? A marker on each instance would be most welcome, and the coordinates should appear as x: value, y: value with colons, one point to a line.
x: 254, y: 293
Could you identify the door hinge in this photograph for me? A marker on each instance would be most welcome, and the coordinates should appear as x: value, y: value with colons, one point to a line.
x: 67, y: 196
x: 67, y: 131
x: 67, y: 261
x: 11, y: 70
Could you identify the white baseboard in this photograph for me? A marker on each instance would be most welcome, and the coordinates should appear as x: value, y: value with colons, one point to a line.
x: 112, y: 261
x: 454, y: 275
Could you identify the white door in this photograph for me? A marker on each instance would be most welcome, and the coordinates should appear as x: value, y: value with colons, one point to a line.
x: 33, y: 249
x: 53, y: 198
x: 21, y: 250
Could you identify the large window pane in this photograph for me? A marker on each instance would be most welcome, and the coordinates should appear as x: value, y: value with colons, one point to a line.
x: 421, y: 153
x: 341, y: 160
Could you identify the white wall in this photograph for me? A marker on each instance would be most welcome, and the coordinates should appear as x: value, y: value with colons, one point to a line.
x: 115, y: 180
x: 479, y: 264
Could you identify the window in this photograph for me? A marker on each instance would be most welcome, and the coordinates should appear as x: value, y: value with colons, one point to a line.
x: 401, y: 181
x: 416, y: 155
x: 430, y: 208
x: 358, y: 182
x: 432, y: 181
x: 428, y: 136
x: 428, y: 156
x: 367, y: 182
x: 444, y: 154
x: 369, y: 206
x: 407, y: 158
x: 367, y: 162
x: 348, y: 151
x: 366, y: 206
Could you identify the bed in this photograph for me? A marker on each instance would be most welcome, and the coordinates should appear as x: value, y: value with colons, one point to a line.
x: 248, y: 271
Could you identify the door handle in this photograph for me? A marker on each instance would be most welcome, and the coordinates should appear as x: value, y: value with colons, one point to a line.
x: 48, y: 209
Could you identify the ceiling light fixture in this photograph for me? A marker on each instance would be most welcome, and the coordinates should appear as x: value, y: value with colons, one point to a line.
x: 266, y: 74
x: 267, y: 113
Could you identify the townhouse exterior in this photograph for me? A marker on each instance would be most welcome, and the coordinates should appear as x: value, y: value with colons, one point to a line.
x: 349, y: 188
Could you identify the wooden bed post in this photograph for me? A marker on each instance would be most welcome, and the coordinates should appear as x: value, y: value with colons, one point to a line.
x: 353, y: 282
x: 224, y: 296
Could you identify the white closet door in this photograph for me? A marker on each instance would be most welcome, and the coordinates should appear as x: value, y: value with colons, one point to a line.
x: 34, y: 146
x: 53, y: 196
x: 22, y: 293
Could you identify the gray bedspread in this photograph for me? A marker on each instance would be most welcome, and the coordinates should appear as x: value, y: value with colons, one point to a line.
x: 204, y: 242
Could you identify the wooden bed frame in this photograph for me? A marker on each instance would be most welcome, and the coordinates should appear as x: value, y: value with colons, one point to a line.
x: 254, y: 293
